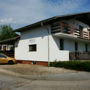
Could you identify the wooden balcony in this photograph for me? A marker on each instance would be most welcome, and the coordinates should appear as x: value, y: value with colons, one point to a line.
x: 67, y: 29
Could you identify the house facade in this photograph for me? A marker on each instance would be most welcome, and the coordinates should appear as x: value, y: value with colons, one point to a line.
x: 7, y: 46
x: 61, y: 38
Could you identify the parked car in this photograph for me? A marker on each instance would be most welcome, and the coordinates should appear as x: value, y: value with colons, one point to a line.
x: 5, y: 59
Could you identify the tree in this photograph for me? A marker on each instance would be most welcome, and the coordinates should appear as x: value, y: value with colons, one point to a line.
x: 6, y: 32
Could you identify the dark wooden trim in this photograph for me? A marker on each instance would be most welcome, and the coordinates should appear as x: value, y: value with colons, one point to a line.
x: 79, y: 55
x: 89, y: 35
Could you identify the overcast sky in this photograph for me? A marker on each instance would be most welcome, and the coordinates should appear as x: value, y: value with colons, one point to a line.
x: 19, y: 13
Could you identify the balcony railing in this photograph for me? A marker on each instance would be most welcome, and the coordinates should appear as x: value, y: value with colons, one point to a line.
x: 79, y: 55
x: 67, y: 29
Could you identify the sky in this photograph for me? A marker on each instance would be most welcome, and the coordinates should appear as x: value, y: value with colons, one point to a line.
x: 19, y: 13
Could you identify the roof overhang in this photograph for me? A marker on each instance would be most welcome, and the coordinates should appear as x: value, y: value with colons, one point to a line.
x: 9, y: 41
x: 84, y: 17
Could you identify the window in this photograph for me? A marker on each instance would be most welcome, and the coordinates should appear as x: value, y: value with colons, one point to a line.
x: 76, y: 46
x: 61, y: 44
x: 86, y: 47
x: 32, y: 47
x: 2, y: 56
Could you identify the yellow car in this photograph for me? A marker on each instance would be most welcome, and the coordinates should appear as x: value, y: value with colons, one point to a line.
x: 5, y: 59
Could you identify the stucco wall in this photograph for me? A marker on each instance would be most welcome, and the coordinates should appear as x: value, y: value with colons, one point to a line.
x: 40, y: 37
x: 55, y: 53
x: 70, y: 45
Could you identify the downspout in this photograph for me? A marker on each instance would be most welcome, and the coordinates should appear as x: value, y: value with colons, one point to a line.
x: 48, y: 31
x: 48, y: 47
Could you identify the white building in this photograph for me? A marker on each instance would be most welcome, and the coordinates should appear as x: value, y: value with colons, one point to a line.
x: 54, y: 39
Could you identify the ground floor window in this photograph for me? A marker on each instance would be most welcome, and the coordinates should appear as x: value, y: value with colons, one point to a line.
x: 33, y: 47
x: 76, y: 46
x: 61, y: 44
x: 86, y: 47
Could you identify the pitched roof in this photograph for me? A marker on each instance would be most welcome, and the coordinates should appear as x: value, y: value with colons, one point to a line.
x: 84, y: 16
x: 9, y: 40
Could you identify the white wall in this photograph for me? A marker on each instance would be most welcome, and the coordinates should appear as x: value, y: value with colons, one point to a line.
x: 55, y: 53
x: 70, y: 45
x: 40, y: 37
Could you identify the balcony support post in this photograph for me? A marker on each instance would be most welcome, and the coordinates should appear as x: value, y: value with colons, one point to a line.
x: 61, y: 27
x: 89, y: 35
x: 72, y: 32
x: 82, y: 34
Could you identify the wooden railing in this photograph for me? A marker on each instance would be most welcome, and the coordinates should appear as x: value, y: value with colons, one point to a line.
x: 67, y: 29
x: 79, y: 55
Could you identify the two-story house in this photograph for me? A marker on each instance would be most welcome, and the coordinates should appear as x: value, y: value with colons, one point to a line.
x: 60, y: 38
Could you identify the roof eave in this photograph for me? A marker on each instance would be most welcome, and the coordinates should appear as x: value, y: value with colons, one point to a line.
x: 48, y: 21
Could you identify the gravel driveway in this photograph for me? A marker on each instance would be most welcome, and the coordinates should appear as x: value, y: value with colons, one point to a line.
x: 44, y: 79
x: 27, y: 69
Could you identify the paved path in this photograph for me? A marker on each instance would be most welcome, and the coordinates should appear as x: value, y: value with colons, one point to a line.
x: 65, y: 81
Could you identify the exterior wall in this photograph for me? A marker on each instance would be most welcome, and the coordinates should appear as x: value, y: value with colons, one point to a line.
x: 40, y: 38
x: 70, y: 45
x: 45, y: 50
x: 81, y: 47
x: 55, y: 53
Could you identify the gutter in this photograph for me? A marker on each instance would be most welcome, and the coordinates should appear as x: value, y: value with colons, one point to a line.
x: 48, y: 47
x: 48, y: 31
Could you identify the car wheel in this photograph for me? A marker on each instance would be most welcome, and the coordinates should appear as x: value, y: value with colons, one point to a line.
x: 10, y: 62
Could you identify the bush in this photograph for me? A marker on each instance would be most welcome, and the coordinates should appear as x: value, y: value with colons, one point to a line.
x: 74, y: 65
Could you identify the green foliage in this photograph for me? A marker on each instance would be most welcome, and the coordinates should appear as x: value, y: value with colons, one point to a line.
x: 75, y: 65
x: 6, y: 32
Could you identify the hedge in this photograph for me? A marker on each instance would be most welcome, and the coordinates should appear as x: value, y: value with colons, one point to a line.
x: 74, y: 65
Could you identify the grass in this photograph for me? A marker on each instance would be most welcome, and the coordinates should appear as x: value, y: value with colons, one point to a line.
x: 74, y: 65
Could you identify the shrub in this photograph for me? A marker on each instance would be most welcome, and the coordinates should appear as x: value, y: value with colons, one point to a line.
x: 75, y: 65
